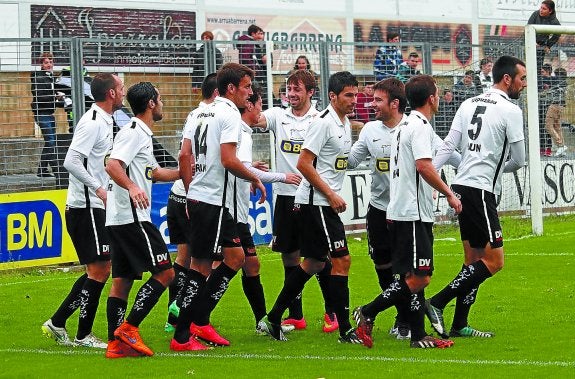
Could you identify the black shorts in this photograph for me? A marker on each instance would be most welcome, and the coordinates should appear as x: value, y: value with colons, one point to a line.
x: 178, y: 223
x: 285, y: 228
x: 137, y: 247
x: 378, y: 239
x: 87, y: 230
x: 246, y: 240
x: 411, y: 247
x: 212, y: 228
x: 321, y: 232
x: 478, y: 221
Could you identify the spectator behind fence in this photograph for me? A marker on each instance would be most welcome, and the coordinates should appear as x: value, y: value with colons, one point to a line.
x: 387, y: 59
x: 465, y: 88
x: 254, y: 56
x: 556, y: 100
x: 484, y: 75
x: 544, y: 82
x: 63, y: 80
x: 544, y: 16
x: 302, y: 63
x: 363, y: 109
x: 211, y: 50
x: 445, y: 114
x: 409, y: 67
x: 45, y: 99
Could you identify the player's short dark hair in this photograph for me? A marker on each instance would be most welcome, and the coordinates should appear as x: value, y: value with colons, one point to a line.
x: 253, y: 29
x: 209, y: 85
x: 506, y: 65
x: 101, y: 84
x: 395, y: 89
x: 418, y: 89
x: 232, y: 73
x: 139, y: 95
x: 303, y: 76
x: 257, y: 91
x: 340, y: 80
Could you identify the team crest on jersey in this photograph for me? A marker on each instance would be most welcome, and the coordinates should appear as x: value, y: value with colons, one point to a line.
x: 382, y: 164
x: 341, y: 163
x: 148, y: 173
x: 293, y: 147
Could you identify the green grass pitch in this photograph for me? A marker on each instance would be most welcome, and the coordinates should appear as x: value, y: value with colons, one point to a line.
x: 529, y: 305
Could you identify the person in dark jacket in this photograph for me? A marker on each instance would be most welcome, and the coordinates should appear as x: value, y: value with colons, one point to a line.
x: 45, y: 99
x: 254, y: 56
x: 210, y: 49
x: 544, y: 16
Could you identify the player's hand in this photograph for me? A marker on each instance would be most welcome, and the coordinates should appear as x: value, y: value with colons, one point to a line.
x: 257, y: 184
x: 454, y: 203
x: 102, y: 194
x: 337, y: 203
x: 292, y: 178
x: 139, y: 197
x: 260, y: 165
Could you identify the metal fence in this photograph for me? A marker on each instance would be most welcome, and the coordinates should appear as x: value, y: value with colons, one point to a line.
x: 177, y: 68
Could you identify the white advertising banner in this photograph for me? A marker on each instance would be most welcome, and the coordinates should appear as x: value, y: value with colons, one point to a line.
x: 558, y: 192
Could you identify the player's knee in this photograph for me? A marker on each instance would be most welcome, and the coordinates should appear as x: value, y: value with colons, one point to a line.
x: 165, y: 277
x: 341, y: 265
x: 235, y: 259
x: 251, y: 266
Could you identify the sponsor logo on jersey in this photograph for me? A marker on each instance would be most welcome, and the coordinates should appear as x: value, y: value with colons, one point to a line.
x: 292, y: 147
x: 148, y: 173
x: 341, y: 164
x: 382, y: 164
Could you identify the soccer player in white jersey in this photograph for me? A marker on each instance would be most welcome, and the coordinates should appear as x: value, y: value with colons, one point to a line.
x: 137, y: 244
x: 85, y: 212
x: 177, y: 218
x: 487, y: 129
x: 212, y: 140
x: 410, y: 215
x: 290, y: 127
x: 240, y: 203
x: 323, y: 162
x: 375, y: 140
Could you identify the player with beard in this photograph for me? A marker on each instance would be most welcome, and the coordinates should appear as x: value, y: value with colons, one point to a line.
x: 487, y: 129
x: 137, y: 244
x: 290, y: 127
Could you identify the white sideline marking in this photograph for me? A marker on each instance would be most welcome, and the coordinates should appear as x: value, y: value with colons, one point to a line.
x: 34, y: 281
x: 267, y: 357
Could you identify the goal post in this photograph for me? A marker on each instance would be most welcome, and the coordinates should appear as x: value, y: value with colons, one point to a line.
x: 533, y: 120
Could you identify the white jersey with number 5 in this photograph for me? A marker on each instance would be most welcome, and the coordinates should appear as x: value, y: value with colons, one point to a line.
x: 488, y: 123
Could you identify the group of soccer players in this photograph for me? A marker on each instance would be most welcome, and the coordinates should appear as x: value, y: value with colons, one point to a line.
x: 208, y: 206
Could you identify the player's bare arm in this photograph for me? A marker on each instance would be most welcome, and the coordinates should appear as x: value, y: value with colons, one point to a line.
x: 117, y: 171
x: 305, y: 166
x: 185, y: 162
x: 427, y: 171
x: 231, y: 163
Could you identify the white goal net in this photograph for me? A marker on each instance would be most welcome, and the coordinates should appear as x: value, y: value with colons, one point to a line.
x: 550, y: 176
